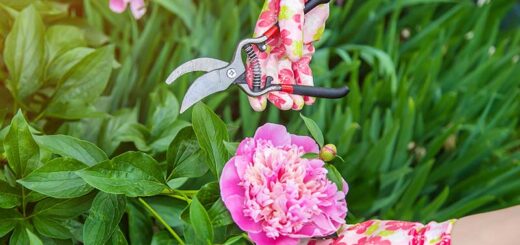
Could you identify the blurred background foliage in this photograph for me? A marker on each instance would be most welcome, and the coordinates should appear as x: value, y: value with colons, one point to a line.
x: 429, y: 131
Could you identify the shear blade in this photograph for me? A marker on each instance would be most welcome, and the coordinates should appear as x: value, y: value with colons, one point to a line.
x: 205, y: 85
x: 199, y: 64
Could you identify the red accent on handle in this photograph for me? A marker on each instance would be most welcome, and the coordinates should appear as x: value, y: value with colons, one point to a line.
x: 287, y: 88
x: 273, y: 30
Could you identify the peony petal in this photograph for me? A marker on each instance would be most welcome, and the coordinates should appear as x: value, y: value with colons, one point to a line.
x: 246, y: 148
x: 261, y: 239
x: 235, y: 205
x: 308, y: 144
x: 138, y: 8
x: 229, y: 181
x: 241, y: 163
x: 118, y: 6
x: 276, y: 133
x: 324, y: 223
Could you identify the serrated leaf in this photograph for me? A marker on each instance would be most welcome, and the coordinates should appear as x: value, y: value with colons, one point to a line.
x: 58, y: 179
x: 75, y: 148
x: 211, y: 133
x: 103, y: 219
x: 21, y: 149
x: 314, y: 130
x: 24, y: 53
x: 131, y: 173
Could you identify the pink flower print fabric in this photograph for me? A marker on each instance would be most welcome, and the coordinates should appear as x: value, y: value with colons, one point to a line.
x: 381, y: 232
x: 289, y: 52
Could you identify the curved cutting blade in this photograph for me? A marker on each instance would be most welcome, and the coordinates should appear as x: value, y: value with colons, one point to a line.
x: 205, y: 85
x: 199, y: 64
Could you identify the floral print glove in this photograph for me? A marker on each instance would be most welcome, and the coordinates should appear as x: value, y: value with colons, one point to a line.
x: 289, y: 53
x: 389, y: 232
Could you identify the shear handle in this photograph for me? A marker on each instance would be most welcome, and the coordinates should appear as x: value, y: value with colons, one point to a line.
x: 320, y: 92
x: 310, y: 5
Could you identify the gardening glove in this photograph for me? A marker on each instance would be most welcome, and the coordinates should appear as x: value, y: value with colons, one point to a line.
x: 289, y: 52
x: 390, y: 232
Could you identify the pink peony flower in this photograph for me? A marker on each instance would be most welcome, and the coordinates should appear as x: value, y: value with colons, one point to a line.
x: 137, y: 7
x: 276, y: 196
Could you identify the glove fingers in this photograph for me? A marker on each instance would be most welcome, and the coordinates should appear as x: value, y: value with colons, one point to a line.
x: 286, y: 75
x: 290, y: 20
x: 268, y: 17
x: 303, y: 72
x: 315, y: 23
x: 281, y: 72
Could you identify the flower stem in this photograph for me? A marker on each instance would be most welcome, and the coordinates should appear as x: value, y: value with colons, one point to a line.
x: 161, y: 220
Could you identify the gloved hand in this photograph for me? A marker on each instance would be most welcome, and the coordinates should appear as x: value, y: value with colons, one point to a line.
x: 288, y: 53
x: 389, y: 232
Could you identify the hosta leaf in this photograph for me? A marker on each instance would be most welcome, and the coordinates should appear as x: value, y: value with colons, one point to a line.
x: 58, y: 179
x: 75, y: 148
x: 185, y: 156
x: 132, y: 173
x: 9, y: 196
x: 211, y: 133
x: 24, y: 53
x: 9, y: 217
x: 20, y: 147
x: 104, y: 216
x: 314, y: 130
x: 200, y: 220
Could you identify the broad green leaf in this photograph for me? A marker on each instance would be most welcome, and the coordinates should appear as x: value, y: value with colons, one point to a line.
x: 140, y: 226
x: 33, y: 238
x: 75, y: 148
x: 86, y: 80
x: 164, y: 110
x: 211, y: 133
x: 19, y: 235
x: 21, y: 149
x: 200, y: 220
x: 161, y: 143
x: 51, y: 227
x: 63, y: 208
x: 334, y: 176
x: 176, y: 183
x: 233, y: 240
x: 162, y: 238
x: 219, y: 214
x: 132, y: 174
x: 314, y: 130
x: 63, y: 63
x: 168, y: 208
x: 24, y: 53
x: 118, y: 238
x: 9, y: 197
x: 231, y: 147
x: 58, y: 179
x: 62, y: 38
x: 9, y: 217
x: 184, y: 156
x: 103, y: 219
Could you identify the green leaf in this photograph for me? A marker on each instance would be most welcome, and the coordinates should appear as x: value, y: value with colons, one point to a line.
x: 63, y: 63
x: 211, y: 133
x: 24, y: 53
x: 58, y: 179
x: 75, y: 148
x: 164, y: 111
x: 334, y: 176
x: 21, y: 149
x: 104, y: 216
x: 231, y: 147
x: 200, y: 220
x: 314, y: 130
x: 33, y: 238
x: 62, y: 38
x: 140, y: 226
x: 219, y: 214
x: 51, y: 227
x: 118, y: 238
x: 63, y: 208
x: 20, y: 235
x: 86, y: 80
x: 9, y: 196
x: 9, y: 217
x: 131, y: 173
x: 184, y: 156
x: 310, y: 155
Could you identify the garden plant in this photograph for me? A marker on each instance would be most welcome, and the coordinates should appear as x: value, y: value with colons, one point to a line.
x: 93, y: 149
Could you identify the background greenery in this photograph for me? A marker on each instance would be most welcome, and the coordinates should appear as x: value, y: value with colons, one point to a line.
x: 94, y: 151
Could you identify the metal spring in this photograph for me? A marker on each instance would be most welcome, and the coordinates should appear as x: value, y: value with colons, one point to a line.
x: 257, y: 70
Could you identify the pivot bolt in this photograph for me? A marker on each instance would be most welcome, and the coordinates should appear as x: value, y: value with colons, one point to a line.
x: 231, y: 73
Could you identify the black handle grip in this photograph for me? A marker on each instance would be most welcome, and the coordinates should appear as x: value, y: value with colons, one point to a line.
x: 312, y: 4
x: 331, y: 93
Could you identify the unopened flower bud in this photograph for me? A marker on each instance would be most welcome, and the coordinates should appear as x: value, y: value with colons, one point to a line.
x: 328, y: 152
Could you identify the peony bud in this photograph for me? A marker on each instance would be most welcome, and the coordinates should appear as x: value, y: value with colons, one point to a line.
x: 328, y: 152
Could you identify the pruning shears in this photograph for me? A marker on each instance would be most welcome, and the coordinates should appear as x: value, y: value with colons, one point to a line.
x: 221, y: 75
